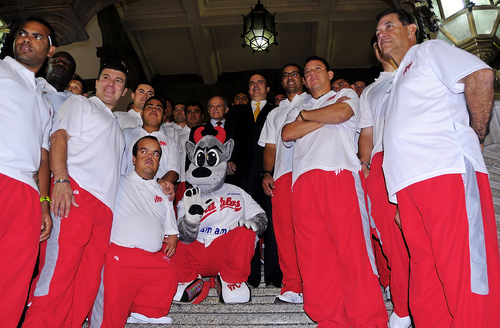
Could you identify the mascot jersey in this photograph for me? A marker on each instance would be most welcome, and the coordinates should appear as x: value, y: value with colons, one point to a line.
x: 230, y: 204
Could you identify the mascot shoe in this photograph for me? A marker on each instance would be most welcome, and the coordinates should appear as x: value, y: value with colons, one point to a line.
x: 232, y: 292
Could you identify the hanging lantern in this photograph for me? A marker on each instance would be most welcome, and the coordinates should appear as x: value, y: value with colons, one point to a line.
x: 259, y: 28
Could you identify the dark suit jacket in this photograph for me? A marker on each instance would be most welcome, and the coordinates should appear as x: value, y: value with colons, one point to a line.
x: 247, y: 154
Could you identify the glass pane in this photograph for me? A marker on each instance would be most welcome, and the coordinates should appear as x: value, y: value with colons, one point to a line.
x: 436, y: 8
x: 485, y: 19
x: 497, y: 33
x: 258, y: 32
x: 459, y: 27
x: 258, y: 21
x: 451, y: 7
x: 440, y: 36
x: 482, y: 2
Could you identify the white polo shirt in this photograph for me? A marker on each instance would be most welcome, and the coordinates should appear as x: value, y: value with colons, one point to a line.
x: 427, y: 132
x: 271, y: 133
x: 230, y: 204
x: 169, y: 160
x: 129, y: 119
x: 183, y: 133
x: 25, y: 124
x: 331, y: 147
x: 373, y: 102
x: 168, y: 128
x: 56, y: 98
x: 143, y: 214
x: 95, y: 146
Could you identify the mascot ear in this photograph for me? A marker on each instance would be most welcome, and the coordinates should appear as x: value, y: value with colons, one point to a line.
x: 190, y: 149
x: 228, y: 148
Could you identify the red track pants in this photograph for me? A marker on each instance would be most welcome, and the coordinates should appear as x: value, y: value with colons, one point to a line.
x: 333, y: 245
x: 20, y: 224
x: 285, y: 234
x: 71, y: 275
x: 449, y: 227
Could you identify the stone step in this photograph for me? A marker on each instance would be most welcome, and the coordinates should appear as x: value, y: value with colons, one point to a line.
x: 259, y: 313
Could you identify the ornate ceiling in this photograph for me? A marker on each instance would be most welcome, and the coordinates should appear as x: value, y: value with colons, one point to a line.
x: 202, y: 37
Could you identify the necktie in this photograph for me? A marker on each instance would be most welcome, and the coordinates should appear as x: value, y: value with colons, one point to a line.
x: 257, y: 111
x: 218, y: 123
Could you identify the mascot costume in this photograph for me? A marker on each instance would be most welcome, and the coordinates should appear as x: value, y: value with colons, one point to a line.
x: 219, y: 223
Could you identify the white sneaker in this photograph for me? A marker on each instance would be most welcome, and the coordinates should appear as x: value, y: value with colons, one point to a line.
x: 139, y: 318
x: 396, y: 322
x: 232, y: 292
x: 387, y: 293
x: 289, y: 297
x: 188, y: 291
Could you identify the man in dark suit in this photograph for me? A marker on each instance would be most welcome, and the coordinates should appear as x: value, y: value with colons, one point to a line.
x: 244, y: 124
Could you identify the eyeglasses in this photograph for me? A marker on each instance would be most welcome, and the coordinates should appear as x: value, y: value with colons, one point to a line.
x: 218, y: 106
x: 288, y: 74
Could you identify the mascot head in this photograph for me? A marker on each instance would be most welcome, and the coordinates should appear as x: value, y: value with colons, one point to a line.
x: 208, y: 151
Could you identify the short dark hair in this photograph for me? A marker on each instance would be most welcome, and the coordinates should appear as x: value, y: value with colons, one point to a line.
x: 336, y: 78
x: 181, y: 103
x: 79, y: 79
x: 52, y: 33
x: 321, y: 59
x: 114, y: 65
x: 265, y: 79
x: 134, y: 88
x: 160, y: 99
x: 404, y: 17
x: 243, y: 92
x: 301, y: 72
x: 135, y: 148
x: 195, y: 103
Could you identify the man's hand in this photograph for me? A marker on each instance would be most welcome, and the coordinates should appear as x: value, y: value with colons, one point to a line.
x: 62, y: 199
x: 365, y: 170
x: 231, y: 168
x: 268, y: 184
x: 168, y: 188
x: 46, y: 222
x: 397, y: 219
x: 171, y: 245
x: 342, y: 99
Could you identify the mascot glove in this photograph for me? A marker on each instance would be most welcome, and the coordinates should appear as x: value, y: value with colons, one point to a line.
x: 194, y: 205
x: 249, y: 224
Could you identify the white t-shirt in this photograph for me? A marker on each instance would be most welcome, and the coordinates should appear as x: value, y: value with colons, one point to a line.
x: 169, y: 160
x: 56, y: 98
x: 143, y: 214
x: 168, y: 128
x: 230, y: 204
x: 95, y: 146
x: 183, y: 133
x: 271, y: 133
x: 373, y: 102
x: 25, y: 124
x: 331, y: 147
x: 427, y: 132
x: 129, y: 119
